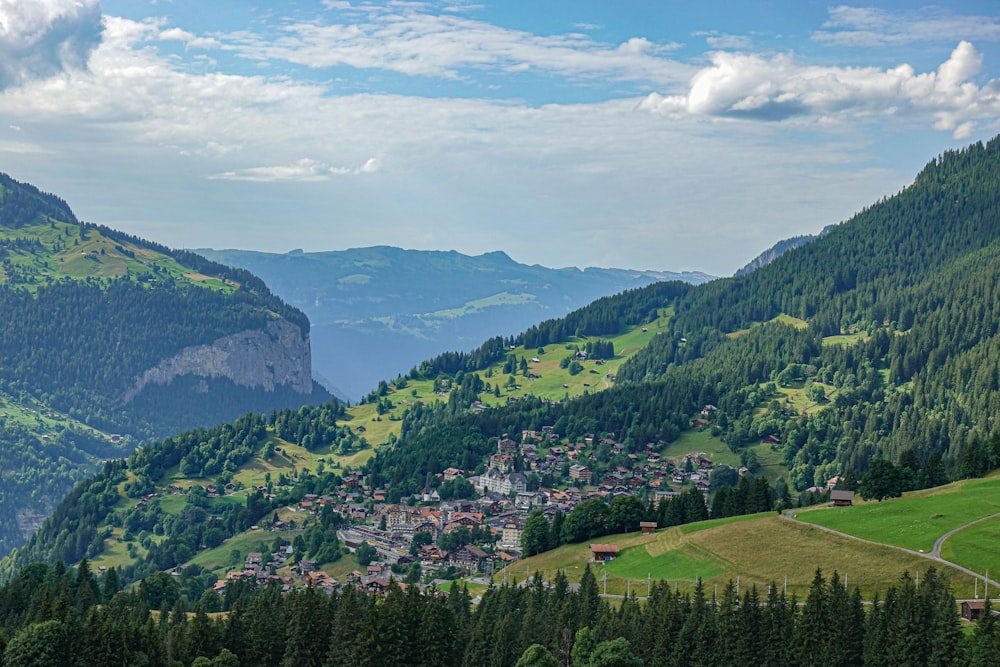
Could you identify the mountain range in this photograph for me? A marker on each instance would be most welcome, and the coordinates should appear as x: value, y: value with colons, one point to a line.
x: 378, y: 311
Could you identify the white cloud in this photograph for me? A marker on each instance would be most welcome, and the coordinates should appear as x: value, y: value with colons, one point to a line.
x: 409, y: 40
x: 371, y: 166
x: 778, y: 88
x: 305, y: 170
x: 190, y: 40
x: 738, y: 42
x: 40, y: 38
x: 868, y: 26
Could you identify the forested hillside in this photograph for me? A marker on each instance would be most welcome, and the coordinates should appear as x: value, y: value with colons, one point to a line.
x: 892, y: 320
x: 108, y: 341
x: 877, y: 341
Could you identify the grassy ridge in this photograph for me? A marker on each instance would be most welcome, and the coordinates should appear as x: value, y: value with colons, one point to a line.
x: 765, y: 548
x: 554, y: 383
x: 917, y: 519
x: 61, y: 252
x: 759, y: 550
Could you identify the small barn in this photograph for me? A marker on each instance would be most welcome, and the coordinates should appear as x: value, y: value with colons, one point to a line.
x: 972, y: 609
x: 842, y: 498
x: 647, y: 527
x: 604, y: 552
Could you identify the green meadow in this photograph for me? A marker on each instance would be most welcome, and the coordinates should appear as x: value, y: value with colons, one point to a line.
x: 760, y: 550
x: 917, y: 519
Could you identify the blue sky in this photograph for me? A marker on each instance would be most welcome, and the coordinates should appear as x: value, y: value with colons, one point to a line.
x: 653, y: 135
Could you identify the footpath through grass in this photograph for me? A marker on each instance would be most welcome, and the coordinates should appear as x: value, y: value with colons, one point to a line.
x: 917, y: 519
x: 760, y: 550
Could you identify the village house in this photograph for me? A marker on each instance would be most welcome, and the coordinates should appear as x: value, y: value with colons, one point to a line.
x: 604, y: 552
x: 842, y: 498
x: 467, y: 557
x: 581, y: 473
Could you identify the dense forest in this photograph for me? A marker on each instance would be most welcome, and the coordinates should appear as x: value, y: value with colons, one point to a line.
x: 52, y: 616
x: 912, y: 282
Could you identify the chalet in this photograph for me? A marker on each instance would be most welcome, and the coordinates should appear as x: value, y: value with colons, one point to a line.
x: 452, y: 473
x: 647, y: 527
x: 834, y: 481
x: 467, y: 557
x: 322, y: 581
x: 604, y: 552
x: 708, y: 410
x: 635, y: 482
x: 770, y: 440
x: 973, y: 609
x: 842, y: 498
x: 581, y: 472
x: 506, y: 445
x: 698, y: 423
x: 433, y: 554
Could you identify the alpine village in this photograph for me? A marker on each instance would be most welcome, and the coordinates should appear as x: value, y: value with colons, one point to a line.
x: 794, y: 466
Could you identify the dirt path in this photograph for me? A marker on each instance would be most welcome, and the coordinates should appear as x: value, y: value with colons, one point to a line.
x: 936, y: 551
x: 934, y: 555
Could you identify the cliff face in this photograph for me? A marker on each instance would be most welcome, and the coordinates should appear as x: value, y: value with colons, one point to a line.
x: 278, y: 355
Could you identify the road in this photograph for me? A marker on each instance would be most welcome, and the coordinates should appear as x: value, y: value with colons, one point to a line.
x: 934, y: 554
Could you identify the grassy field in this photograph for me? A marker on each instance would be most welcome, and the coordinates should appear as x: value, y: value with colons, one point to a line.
x: 845, y: 339
x: 976, y: 548
x: 917, y: 519
x: 66, y: 254
x: 37, y: 417
x: 231, y: 553
x: 759, y: 550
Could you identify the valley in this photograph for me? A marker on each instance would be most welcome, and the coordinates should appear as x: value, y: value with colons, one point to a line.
x: 720, y: 418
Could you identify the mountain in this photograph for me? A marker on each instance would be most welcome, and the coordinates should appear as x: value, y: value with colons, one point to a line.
x: 109, y: 341
x: 377, y: 311
x: 780, y: 248
x: 877, y: 342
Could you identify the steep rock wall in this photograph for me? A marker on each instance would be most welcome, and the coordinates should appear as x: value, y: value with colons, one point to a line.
x: 278, y: 355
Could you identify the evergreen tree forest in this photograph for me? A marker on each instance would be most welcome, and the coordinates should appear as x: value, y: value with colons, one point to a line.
x: 53, y: 616
x: 910, y: 284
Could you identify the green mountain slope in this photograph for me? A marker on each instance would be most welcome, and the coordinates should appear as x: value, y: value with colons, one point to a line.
x: 877, y: 340
x: 108, y: 341
x: 912, y: 283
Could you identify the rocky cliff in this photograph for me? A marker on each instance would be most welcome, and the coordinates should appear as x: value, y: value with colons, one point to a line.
x: 276, y: 356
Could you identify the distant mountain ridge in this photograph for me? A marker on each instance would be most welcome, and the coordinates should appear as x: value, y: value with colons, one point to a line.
x: 379, y: 310
x: 780, y: 248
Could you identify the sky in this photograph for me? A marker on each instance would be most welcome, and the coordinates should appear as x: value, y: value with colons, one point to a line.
x: 645, y: 134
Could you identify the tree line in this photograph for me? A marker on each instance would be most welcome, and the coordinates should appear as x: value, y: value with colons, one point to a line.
x: 53, y: 616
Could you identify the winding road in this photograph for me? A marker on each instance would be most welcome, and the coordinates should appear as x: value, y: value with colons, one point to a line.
x: 934, y: 554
